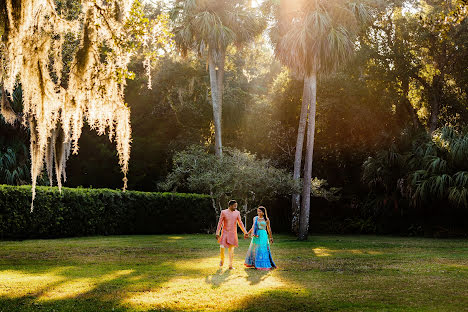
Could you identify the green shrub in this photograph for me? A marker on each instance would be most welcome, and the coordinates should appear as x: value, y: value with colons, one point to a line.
x: 80, y: 212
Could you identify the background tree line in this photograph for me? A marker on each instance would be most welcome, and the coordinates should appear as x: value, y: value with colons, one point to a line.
x: 405, y: 78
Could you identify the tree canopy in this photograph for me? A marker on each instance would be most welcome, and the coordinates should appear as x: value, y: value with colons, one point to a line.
x: 403, y: 84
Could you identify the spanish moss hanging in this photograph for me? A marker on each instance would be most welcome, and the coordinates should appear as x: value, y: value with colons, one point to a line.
x: 56, y: 102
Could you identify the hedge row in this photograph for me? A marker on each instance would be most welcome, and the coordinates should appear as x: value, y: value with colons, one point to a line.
x: 81, y: 212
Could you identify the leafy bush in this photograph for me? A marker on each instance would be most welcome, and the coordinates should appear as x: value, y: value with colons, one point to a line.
x: 237, y: 175
x: 79, y: 212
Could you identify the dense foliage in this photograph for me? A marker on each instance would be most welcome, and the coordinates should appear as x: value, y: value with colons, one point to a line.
x: 422, y: 179
x: 406, y: 81
x: 80, y: 212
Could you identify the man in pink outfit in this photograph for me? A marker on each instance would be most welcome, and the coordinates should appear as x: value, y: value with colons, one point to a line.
x: 228, y: 220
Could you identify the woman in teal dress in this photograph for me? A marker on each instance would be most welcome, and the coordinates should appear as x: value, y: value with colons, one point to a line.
x: 259, y: 254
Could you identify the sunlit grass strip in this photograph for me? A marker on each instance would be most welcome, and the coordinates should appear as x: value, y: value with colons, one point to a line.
x: 181, y: 273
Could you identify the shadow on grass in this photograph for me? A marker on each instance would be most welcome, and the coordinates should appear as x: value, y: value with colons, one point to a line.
x: 255, y: 276
x: 275, y: 300
x: 29, y: 304
x: 279, y: 300
x: 122, y: 287
x: 218, y: 278
x: 82, y: 288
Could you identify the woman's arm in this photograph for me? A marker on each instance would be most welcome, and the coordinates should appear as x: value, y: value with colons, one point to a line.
x: 252, y: 228
x: 269, y: 231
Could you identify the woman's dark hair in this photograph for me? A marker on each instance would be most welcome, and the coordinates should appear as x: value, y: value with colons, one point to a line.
x: 263, y: 209
x: 232, y: 202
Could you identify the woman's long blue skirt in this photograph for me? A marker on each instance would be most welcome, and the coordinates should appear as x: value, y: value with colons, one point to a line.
x: 259, y: 254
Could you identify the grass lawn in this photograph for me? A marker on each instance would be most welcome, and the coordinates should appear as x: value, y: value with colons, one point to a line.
x: 180, y: 273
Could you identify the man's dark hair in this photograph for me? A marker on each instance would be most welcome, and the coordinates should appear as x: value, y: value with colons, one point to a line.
x: 232, y: 202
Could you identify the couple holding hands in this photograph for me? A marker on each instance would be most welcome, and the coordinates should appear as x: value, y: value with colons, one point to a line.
x: 259, y: 254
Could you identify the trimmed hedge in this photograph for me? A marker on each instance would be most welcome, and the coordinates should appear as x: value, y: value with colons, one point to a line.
x: 81, y: 212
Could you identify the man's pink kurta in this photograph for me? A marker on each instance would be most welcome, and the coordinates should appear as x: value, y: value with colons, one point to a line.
x: 228, y: 220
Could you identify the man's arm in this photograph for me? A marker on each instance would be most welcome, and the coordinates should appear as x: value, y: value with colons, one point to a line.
x: 241, y: 225
x: 220, y: 223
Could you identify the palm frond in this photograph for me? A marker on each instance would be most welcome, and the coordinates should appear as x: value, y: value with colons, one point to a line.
x: 214, y: 24
x: 458, y: 196
x: 361, y: 11
x: 320, y: 37
x: 436, y: 164
x: 461, y: 179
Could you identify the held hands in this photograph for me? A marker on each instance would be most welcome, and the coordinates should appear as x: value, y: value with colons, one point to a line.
x: 246, y: 235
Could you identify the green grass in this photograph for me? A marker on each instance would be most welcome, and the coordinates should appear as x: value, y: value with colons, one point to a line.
x: 180, y: 273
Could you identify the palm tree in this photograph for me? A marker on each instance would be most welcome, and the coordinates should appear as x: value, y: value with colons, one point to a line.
x: 208, y: 27
x: 421, y: 171
x: 313, y: 37
x: 14, y: 152
x: 440, y: 169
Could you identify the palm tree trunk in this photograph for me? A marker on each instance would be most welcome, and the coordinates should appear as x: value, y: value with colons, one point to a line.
x: 220, y: 75
x: 305, y: 205
x: 296, y: 198
x: 216, y: 98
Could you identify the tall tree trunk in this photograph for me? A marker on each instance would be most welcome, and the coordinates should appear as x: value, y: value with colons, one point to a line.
x: 407, y: 104
x: 305, y: 205
x: 213, y: 203
x: 296, y: 198
x: 216, y: 98
x: 246, y: 207
x: 220, y: 75
x: 435, y: 108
